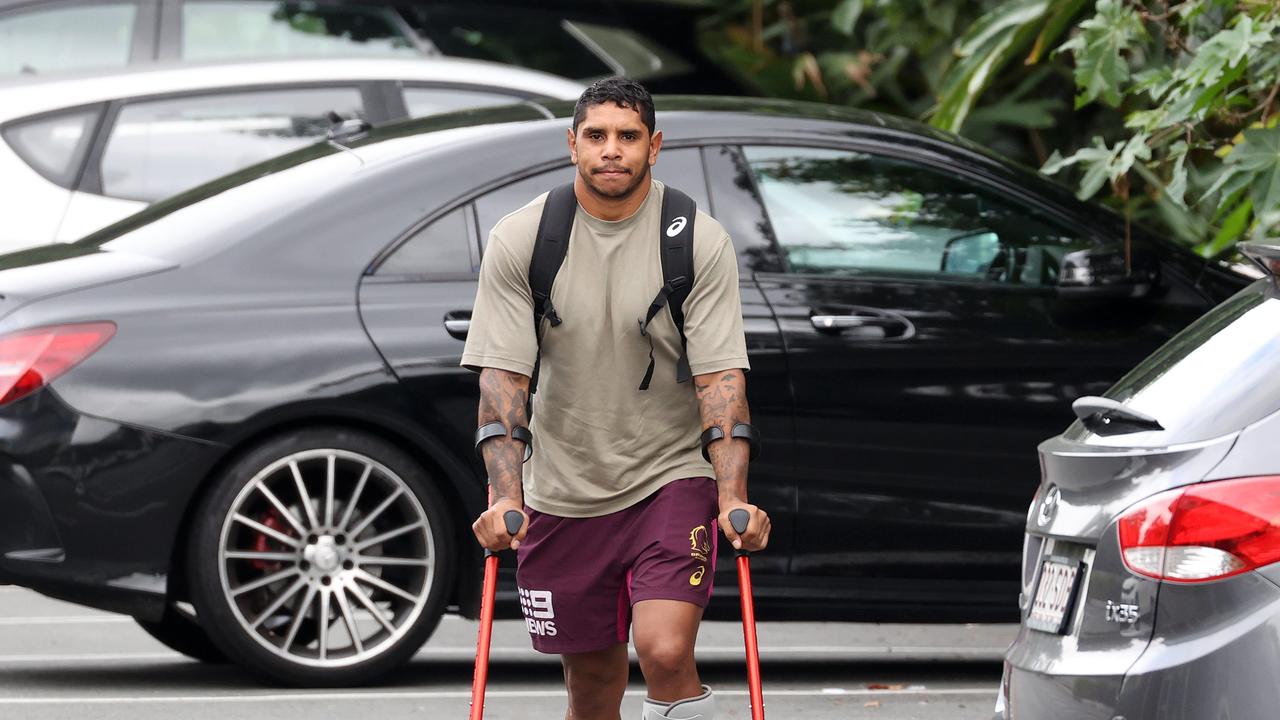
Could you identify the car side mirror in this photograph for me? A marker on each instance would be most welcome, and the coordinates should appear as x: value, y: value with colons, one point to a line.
x: 977, y: 254
x: 1101, y: 273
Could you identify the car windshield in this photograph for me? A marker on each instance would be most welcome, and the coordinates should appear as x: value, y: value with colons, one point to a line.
x: 1215, y: 377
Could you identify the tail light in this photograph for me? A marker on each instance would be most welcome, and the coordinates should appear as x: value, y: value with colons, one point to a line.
x: 30, y: 359
x: 1204, y: 532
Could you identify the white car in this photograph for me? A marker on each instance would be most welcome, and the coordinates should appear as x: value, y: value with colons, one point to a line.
x: 80, y: 153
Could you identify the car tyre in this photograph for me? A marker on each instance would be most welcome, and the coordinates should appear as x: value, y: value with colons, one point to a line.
x: 321, y: 558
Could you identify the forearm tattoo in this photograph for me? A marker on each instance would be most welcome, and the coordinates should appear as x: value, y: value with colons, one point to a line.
x: 722, y: 401
x: 504, y: 397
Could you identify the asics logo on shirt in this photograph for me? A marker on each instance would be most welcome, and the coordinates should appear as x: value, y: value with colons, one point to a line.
x: 676, y: 226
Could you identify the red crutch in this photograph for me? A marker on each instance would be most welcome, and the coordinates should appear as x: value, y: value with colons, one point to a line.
x: 739, y: 519
x: 513, y: 520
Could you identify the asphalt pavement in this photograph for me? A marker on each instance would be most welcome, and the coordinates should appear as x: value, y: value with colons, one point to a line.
x: 59, y: 660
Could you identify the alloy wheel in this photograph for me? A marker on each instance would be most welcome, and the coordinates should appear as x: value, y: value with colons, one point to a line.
x: 326, y: 558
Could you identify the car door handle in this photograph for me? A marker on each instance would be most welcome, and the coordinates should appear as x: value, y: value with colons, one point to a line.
x: 843, y: 322
x: 837, y: 322
x: 457, y: 323
x: 892, y: 325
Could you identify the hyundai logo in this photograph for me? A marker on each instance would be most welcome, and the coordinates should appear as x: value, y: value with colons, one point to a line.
x: 1048, y: 506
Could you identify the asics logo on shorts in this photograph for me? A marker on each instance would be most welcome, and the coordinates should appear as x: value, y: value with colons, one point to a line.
x: 539, y: 614
x: 696, y: 578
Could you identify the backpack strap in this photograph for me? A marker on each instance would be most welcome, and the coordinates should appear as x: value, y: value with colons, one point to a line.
x: 676, y: 251
x: 549, y: 248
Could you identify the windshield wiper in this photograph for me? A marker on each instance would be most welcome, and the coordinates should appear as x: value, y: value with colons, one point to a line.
x: 1108, y: 417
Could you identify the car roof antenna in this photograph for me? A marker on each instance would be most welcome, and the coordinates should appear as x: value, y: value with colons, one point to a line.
x: 341, y: 129
x: 1105, y: 416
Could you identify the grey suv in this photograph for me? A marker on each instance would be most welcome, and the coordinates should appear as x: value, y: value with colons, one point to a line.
x: 1151, y: 587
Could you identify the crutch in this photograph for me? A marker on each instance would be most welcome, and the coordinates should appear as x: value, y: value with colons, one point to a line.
x: 513, y: 520
x: 739, y: 519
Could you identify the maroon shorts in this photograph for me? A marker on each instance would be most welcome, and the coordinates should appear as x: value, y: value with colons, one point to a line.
x: 579, y: 577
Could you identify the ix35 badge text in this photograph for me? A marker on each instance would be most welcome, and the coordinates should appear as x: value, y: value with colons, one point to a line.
x: 1121, y: 612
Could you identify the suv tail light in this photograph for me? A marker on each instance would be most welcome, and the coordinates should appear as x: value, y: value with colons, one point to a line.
x: 1204, y: 532
x: 30, y: 359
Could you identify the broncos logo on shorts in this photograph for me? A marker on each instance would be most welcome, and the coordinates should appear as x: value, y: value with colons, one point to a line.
x: 700, y: 543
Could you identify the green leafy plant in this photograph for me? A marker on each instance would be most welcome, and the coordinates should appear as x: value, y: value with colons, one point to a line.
x: 977, y: 67
x: 1186, y: 79
x: 1166, y: 110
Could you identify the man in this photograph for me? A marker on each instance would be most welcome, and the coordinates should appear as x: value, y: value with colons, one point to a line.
x: 619, y: 503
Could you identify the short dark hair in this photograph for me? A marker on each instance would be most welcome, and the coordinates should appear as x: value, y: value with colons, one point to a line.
x: 620, y: 91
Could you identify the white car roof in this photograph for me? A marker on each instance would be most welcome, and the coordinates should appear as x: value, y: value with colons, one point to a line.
x: 29, y: 96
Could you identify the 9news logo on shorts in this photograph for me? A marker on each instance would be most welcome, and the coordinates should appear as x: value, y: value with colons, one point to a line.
x: 539, y: 615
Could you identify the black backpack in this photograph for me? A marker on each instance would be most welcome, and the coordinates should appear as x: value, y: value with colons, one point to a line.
x: 676, y: 248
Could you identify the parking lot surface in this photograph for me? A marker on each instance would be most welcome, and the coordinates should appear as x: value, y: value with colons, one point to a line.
x: 64, y: 661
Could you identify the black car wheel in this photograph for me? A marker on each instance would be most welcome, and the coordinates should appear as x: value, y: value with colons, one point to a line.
x: 321, y: 558
x: 180, y: 632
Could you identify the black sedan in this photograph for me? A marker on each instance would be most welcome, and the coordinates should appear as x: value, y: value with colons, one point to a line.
x: 238, y: 416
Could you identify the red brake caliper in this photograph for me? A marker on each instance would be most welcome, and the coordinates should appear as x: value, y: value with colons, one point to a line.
x: 272, y: 520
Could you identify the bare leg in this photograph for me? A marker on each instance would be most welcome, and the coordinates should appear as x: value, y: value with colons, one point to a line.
x: 596, y: 682
x: 664, y: 632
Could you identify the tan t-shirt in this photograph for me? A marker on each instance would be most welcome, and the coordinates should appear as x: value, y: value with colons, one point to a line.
x: 600, y: 443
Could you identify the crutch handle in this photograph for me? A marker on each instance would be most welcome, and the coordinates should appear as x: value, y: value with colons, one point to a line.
x: 514, y: 521
x: 739, y: 519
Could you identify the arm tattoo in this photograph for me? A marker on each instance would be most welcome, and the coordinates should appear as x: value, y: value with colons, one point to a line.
x: 722, y: 401
x: 504, y: 397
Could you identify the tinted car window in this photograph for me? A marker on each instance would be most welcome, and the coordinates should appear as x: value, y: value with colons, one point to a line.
x: 423, y: 101
x: 442, y: 247
x: 98, y: 35
x: 219, y: 30
x: 507, y: 199
x: 54, y: 145
x: 679, y: 167
x: 533, y: 40
x: 837, y: 211
x: 162, y: 147
x: 1213, y: 378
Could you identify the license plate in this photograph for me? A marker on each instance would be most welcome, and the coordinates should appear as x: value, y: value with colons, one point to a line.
x: 1055, y: 596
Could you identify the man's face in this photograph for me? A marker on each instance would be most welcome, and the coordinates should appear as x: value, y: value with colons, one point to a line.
x: 613, y: 150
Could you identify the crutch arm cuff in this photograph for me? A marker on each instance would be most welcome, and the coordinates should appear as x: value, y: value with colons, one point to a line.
x: 494, y: 429
x: 740, y: 430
